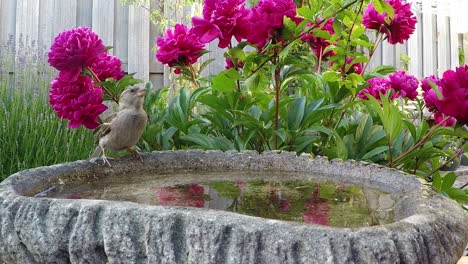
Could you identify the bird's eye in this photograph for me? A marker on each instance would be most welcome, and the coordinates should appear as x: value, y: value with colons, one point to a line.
x: 133, y: 90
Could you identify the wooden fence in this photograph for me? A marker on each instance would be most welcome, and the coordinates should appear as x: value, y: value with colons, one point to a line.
x: 432, y: 49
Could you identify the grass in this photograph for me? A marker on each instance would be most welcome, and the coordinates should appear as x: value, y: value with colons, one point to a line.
x: 31, y: 134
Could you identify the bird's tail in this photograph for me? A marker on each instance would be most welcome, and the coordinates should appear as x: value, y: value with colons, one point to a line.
x: 97, y: 152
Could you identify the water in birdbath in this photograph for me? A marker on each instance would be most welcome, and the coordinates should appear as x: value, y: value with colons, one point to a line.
x: 283, y: 196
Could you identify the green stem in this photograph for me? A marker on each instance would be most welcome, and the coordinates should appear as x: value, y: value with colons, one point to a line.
x: 193, y: 76
x: 420, y: 142
x: 234, y: 61
x: 277, y: 99
x: 464, y: 185
x: 371, y: 54
x: 456, y: 154
x: 390, y: 156
x: 96, y: 79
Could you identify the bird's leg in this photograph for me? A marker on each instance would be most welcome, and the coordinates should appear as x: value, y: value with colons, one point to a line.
x: 135, y: 153
x: 104, y: 158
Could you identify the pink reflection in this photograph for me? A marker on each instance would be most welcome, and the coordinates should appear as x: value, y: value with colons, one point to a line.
x: 317, y: 209
x: 186, y: 195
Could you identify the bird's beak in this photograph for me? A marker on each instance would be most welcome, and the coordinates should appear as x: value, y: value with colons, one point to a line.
x: 141, y: 92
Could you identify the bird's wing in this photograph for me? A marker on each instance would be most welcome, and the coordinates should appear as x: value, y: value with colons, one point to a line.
x: 104, y: 128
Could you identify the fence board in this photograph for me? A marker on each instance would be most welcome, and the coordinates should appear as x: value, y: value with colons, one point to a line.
x: 138, y: 42
x: 388, y: 53
x: 103, y: 21
x: 415, y: 47
x: 443, y: 42
x: 46, y: 31
x: 455, y: 44
x: 27, y: 22
x: 84, y: 17
x: 7, y: 20
x: 64, y: 15
x: 428, y: 47
x: 121, y: 33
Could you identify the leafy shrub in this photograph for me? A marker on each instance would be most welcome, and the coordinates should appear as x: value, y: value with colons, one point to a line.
x: 307, y: 88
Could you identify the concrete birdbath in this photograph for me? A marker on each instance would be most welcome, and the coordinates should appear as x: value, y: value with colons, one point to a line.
x: 226, y: 207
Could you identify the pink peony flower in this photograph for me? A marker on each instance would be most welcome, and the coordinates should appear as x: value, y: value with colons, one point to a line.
x: 431, y: 100
x: 181, y: 47
x: 75, y: 48
x: 222, y: 19
x: 108, y: 66
x: 318, y: 45
x: 399, y: 28
x: 267, y: 18
x: 406, y: 85
x: 439, y: 118
x: 355, y: 68
x: 455, y: 94
x: 79, y: 101
x: 425, y: 83
x: 230, y: 65
x: 377, y: 87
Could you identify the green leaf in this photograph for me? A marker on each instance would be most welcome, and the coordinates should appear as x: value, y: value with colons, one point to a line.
x: 457, y: 194
x: 225, y: 81
x: 387, y: 8
x: 281, y: 134
x: 305, y: 12
x: 296, y: 113
x: 205, y: 64
x: 331, y: 76
x: 237, y: 53
x: 447, y: 181
x: 374, y: 152
x: 380, y: 71
x: 289, y: 28
x: 437, y: 181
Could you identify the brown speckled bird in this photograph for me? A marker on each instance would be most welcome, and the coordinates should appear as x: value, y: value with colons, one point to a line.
x: 126, y: 126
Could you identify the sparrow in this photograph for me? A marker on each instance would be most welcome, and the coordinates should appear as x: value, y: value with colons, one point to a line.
x: 126, y: 126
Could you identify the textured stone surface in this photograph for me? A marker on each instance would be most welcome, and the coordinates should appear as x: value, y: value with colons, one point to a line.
x: 430, y: 228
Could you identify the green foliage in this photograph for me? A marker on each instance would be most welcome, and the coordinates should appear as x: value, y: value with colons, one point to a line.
x: 284, y: 97
x: 31, y: 135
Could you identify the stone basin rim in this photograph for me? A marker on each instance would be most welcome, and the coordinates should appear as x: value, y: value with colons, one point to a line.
x: 425, y: 209
x: 414, y: 187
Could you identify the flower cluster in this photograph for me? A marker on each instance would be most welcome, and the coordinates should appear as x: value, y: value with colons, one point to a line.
x: 75, y: 49
x: 108, y: 66
x: 267, y: 18
x: 404, y: 84
x: 451, y: 101
x: 222, y: 19
x: 397, y: 29
x: 317, y: 44
x: 399, y: 83
x: 79, y: 101
x: 180, y: 47
x: 75, y: 96
x: 354, y: 68
x: 378, y: 86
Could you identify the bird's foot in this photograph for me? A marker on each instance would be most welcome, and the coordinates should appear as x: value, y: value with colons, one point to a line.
x: 106, y: 160
x: 136, y: 153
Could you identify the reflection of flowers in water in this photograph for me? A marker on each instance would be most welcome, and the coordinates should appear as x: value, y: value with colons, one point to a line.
x: 317, y: 209
x: 182, y: 195
x: 240, y: 185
